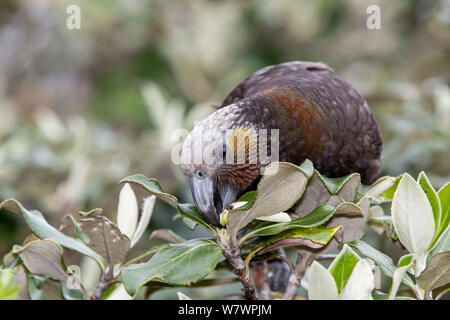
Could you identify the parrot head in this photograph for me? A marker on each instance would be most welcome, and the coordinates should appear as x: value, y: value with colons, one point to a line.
x: 220, y: 160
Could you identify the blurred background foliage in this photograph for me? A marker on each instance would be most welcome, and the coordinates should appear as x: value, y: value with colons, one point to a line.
x: 80, y: 109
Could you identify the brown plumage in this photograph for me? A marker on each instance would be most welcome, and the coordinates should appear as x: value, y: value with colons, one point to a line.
x: 319, y: 117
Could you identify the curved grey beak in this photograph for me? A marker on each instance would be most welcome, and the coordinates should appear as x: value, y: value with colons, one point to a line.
x: 211, y: 199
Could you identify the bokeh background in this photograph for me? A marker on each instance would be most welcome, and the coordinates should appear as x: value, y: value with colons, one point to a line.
x: 81, y: 109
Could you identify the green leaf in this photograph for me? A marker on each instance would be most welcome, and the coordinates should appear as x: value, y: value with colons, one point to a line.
x: 310, y: 237
x: 43, y: 257
x: 388, y: 195
x: 335, y: 185
x: 432, y: 198
x: 318, y: 217
x: 384, y: 262
x: 249, y: 198
x: 413, y: 220
x: 360, y: 284
x: 321, y: 284
x: 189, y: 223
x: 40, y: 227
x: 275, y: 193
x: 189, y: 211
x: 437, y: 273
x: 382, y: 186
x: 77, y: 229
x: 153, y: 186
x: 404, y: 263
x: 342, y: 266
x: 444, y: 198
x: 307, y: 167
x: 443, y: 244
x: 70, y: 294
x: 167, y: 235
x: 9, y: 290
x: 176, y: 264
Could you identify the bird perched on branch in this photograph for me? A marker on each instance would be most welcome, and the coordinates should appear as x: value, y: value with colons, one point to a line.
x: 302, y: 111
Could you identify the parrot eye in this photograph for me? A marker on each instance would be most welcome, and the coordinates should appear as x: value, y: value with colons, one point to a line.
x: 200, y: 174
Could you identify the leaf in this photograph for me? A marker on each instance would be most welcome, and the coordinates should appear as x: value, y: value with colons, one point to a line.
x: 307, y: 167
x: 167, y: 235
x: 404, y: 263
x: 310, y: 237
x: 278, y: 217
x: 318, y: 217
x: 153, y: 186
x: 93, y: 211
x: 377, y: 219
x: 70, y: 294
x: 353, y: 219
x: 443, y: 243
x: 9, y: 290
x: 432, y: 197
x: 77, y: 229
x: 444, y: 198
x: 360, y: 283
x: 144, y: 220
x: 335, y: 185
x: 316, y: 194
x: 40, y: 227
x: 388, y: 195
x: 275, y: 193
x: 187, y: 210
x: 381, y: 186
x: 189, y: 223
x: 342, y: 266
x: 176, y: 264
x: 43, y: 257
x: 127, y: 211
x: 412, y: 217
x: 321, y: 284
x: 384, y: 262
x: 105, y: 238
x: 182, y: 296
x: 437, y: 273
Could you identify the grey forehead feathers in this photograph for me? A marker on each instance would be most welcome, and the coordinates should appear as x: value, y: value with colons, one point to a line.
x: 213, y: 130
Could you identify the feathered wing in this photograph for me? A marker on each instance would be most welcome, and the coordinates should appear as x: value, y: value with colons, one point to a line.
x: 319, y: 115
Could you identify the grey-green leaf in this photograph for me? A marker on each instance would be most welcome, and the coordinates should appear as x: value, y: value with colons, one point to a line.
x: 275, y: 193
x: 43, y: 257
x: 384, y: 262
x: 176, y: 264
x: 105, y: 238
x: 41, y: 228
x: 437, y: 273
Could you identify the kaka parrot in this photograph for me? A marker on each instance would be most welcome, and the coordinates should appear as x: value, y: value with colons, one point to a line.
x: 318, y: 115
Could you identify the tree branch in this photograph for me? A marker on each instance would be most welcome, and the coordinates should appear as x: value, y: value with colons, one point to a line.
x: 106, y: 280
x: 232, y: 253
x: 297, y: 274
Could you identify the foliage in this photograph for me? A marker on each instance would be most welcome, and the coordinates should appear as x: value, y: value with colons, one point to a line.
x: 419, y: 216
